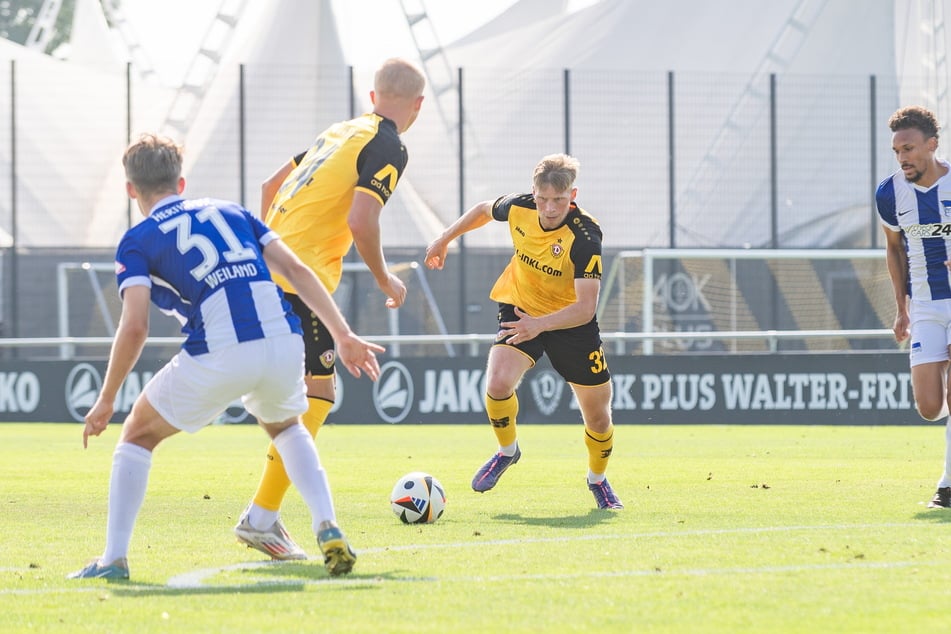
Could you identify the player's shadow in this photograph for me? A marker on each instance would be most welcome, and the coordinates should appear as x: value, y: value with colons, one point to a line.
x: 938, y: 516
x: 593, y: 517
x: 272, y: 577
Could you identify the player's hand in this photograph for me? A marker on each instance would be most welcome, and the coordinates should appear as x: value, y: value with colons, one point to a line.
x: 901, y: 326
x: 524, y: 329
x: 395, y: 291
x: 435, y: 257
x: 358, y: 355
x: 97, y: 418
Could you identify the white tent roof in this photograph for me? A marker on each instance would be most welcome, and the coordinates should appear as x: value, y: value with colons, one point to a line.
x: 685, y: 35
x: 510, y: 63
x: 62, y: 160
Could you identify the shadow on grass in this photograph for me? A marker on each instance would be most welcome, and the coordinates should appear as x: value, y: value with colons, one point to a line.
x: 938, y: 516
x: 594, y: 517
x: 264, y: 578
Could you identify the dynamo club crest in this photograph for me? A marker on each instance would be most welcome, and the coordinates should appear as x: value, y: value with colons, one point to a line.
x: 546, y: 391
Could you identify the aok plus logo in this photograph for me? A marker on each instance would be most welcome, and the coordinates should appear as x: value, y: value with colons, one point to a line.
x: 393, y: 392
x: 82, y: 387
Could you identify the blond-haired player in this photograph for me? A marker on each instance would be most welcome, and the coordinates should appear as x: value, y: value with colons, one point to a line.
x: 321, y: 202
x: 547, y: 296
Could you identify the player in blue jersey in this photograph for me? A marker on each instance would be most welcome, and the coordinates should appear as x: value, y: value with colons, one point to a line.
x: 915, y: 208
x: 208, y: 262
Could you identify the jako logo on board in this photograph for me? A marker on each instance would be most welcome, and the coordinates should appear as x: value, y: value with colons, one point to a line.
x: 393, y: 392
x: 82, y: 387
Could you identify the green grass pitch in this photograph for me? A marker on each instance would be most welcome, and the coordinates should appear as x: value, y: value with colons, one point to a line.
x: 727, y: 529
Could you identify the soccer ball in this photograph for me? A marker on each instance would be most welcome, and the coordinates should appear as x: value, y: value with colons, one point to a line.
x: 418, y: 498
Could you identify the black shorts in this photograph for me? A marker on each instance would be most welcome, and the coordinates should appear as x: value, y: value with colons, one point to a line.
x: 575, y: 353
x: 319, y: 354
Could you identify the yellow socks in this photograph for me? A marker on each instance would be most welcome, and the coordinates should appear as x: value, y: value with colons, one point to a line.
x: 274, y: 481
x: 317, y: 411
x: 502, y: 414
x: 599, y: 449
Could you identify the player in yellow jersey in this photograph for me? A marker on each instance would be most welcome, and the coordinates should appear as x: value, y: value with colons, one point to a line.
x: 547, y: 296
x: 321, y: 202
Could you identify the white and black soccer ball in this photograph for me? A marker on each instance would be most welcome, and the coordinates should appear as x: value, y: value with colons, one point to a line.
x: 418, y: 498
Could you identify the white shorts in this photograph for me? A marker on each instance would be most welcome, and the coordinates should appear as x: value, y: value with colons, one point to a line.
x: 266, y: 374
x: 930, y: 330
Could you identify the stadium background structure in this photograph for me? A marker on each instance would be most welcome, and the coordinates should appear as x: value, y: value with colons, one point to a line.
x: 736, y: 137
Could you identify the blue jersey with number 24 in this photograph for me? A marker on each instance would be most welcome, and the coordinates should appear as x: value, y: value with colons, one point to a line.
x: 203, y: 260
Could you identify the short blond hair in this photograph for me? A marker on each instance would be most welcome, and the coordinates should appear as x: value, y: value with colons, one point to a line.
x: 398, y: 78
x: 557, y: 170
x: 153, y: 163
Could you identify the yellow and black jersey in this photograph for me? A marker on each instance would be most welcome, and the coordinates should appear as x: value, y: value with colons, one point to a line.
x: 540, y: 278
x: 310, y: 210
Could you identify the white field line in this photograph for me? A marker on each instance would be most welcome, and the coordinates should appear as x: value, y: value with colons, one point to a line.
x: 196, y: 579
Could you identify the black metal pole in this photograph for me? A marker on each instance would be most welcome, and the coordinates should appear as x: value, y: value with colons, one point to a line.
x: 463, y: 306
x: 773, y: 167
x: 14, y: 231
x: 773, y: 196
x: 352, y: 256
x: 352, y: 92
x: 567, y: 85
x: 671, y: 164
x: 873, y: 161
x: 242, y: 138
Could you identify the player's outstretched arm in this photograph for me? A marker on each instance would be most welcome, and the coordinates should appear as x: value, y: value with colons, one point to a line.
x: 355, y: 353
x: 477, y: 216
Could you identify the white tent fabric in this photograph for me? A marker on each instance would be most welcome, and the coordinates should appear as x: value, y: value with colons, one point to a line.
x: 921, y: 54
x: 692, y: 38
x: 92, y: 43
x: 279, y: 43
x: 62, y: 159
x: 683, y: 35
x: 94, y: 46
x: 522, y: 52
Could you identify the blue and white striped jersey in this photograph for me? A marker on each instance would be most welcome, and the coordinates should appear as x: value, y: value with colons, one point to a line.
x: 924, y: 218
x: 203, y: 260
